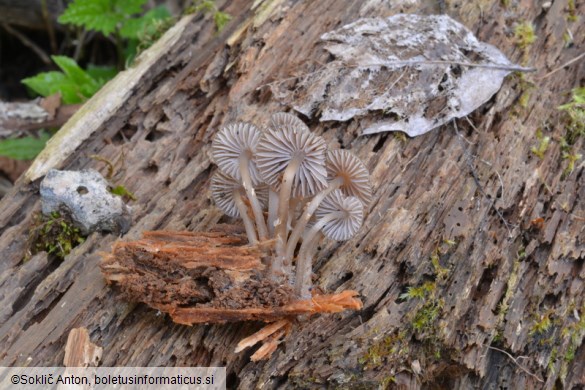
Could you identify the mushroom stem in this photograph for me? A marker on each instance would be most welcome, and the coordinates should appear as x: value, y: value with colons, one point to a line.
x: 256, y: 207
x: 272, y: 210
x: 305, y: 258
x: 281, y: 231
x: 307, y: 214
x: 248, y: 224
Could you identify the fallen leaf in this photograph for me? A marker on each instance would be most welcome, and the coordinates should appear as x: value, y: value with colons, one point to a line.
x: 413, y: 72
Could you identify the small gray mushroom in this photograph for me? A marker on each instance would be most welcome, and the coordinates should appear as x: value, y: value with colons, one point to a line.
x: 292, y: 161
x: 229, y: 195
x: 233, y: 150
x: 339, y: 218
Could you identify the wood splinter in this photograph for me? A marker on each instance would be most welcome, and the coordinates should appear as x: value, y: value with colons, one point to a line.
x: 213, y: 277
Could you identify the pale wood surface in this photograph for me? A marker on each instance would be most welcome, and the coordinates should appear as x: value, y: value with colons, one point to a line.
x: 426, y: 191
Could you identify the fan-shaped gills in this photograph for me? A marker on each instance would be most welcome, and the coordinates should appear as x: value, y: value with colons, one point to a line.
x: 345, y: 215
x: 278, y: 148
x: 232, y: 145
x: 222, y: 187
x: 284, y: 119
x: 356, y: 178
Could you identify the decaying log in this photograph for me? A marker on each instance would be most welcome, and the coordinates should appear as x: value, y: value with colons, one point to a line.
x: 453, y: 260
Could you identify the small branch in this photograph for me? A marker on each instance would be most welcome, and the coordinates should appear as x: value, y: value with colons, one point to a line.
x: 49, y: 25
x: 28, y: 43
x: 563, y: 66
x: 26, y: 117
x: 515, y: 362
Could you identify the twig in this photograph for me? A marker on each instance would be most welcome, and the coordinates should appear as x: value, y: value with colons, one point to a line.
x: 28, y: 43
x: 563, y: 66
x: 49, y: 24
x: 468, y: 159
x: 515, y: 362
x: 511, y: 68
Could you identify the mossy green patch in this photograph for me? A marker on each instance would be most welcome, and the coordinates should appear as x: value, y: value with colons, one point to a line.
x: 53, y: 234
x: 543, y: 144
x: 524, y: 35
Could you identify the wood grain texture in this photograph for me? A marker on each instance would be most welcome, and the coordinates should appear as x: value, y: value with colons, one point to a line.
x: 479, y: 188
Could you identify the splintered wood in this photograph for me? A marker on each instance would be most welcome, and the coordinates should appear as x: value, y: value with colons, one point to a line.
x: 80, y: 351
x: 212, y: 277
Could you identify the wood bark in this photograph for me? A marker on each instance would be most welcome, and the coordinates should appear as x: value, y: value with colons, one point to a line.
x: 492, y: 234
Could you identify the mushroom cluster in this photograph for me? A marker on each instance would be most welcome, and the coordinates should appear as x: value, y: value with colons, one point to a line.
x: 287, y: 187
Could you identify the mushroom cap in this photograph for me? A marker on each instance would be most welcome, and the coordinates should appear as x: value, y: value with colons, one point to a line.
x: 284, y: 119
x: 356, y: 178
x: 341, y: 229
x: 230, y: 143
x: 276, y: 149
x: 222, y: 192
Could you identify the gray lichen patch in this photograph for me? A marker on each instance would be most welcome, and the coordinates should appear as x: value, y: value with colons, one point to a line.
x: 85, y: 198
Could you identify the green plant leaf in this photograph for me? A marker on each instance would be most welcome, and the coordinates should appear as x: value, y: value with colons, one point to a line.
x: 100, y: 15
x: 95, y: 15
x: 25, y: 148
x: 102, y: 74
x: 77, y: 76
x: 135, y: 28
x: 74, y: 84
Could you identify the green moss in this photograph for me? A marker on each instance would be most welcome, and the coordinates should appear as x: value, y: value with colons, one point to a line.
x: 388, y: 348
x: 441, y: 272
x: 574, y: 129
x: 552, y: 361
x: 53, y: 234
x: 544, y: 142
x: 542, y: 324
x: 425, y: 317
x: 575, y: 116
x: 524, y: 35
x: 419, y: 292
x: 572, y: 11
x: 568, y: 39
x: 209, y: 7
x: 388, y: 382
x: 571, y: 158
x: 118, y: 190
x: 400, y: 136
x: 123, y: 192
x: 504, y: 305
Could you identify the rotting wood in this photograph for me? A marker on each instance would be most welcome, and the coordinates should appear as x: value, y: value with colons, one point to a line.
x: 425, y: 195
x: 80, y: 351
x: 211, y: 278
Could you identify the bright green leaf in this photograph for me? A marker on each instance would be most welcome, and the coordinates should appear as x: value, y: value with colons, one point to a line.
x: 75, y: 84
x: 44, y: 83
x: 25, y: 148
x: 100, y: 15
x: 135, y: 28
x: 101, y: 74
x: 128, y: 7
x: 95, y: 15
x: 86, y: 85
